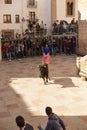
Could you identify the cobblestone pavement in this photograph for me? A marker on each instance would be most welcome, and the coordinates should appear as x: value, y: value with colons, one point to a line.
x: 22, y: 92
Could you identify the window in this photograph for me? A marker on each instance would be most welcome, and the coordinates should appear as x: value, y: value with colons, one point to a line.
x: 70, y: 7
x: 8, y: 1
x: 31, y: 2
x: 6, y: 18
x: 17, y: 19
x: 32, y: 16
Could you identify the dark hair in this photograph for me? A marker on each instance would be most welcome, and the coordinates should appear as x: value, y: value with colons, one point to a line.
x: 20, y: 121
x: 48, y: 110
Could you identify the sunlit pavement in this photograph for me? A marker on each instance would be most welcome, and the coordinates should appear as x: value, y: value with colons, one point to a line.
x: 22, y: 92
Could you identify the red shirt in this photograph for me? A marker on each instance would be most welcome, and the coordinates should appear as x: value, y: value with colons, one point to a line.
x: 4, y: 48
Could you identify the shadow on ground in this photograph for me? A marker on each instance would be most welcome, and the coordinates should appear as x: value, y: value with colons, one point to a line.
x: 64, y: 82
x: 12, y: 103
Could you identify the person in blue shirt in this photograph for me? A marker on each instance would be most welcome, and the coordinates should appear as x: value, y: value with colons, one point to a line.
x: 46, y: 49
x: 54, y: 121
x: 46, y: 57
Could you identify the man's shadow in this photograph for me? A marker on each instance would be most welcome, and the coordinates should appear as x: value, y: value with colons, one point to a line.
x: 65, y: 82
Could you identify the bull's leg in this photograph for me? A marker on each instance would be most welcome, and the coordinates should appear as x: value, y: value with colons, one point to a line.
x: 47, y: 72
x: 47, y: 79
x: 44, y: 81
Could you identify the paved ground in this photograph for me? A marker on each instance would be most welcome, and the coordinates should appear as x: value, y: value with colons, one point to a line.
x: 22, y: 92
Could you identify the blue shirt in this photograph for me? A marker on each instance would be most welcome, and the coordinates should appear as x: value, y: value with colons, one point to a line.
x: 46, y: 50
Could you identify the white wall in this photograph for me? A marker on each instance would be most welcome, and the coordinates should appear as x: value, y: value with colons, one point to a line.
x: 82, y: 7
x: 43, y: 12
x: 61, y: 11
x: 12, y: 9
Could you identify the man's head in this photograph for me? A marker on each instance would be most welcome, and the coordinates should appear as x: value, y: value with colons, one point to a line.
x: 20, y: 121
x: 48, y: 110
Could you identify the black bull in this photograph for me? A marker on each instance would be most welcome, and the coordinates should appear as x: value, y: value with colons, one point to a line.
x: 44, y: 72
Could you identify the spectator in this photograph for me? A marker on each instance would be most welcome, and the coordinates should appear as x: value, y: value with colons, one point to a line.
x: 55, y: 48
x: 66, y: 45
x: 45, y: 29
x: 54, y: 121
x: 61, y: 27
x: 9, y: 56
x: 50, y: 43
x: 22, y: 124
x: 54, y: 30
x: 37, y: 28
x: 4, y: 49
x: 42, y: 27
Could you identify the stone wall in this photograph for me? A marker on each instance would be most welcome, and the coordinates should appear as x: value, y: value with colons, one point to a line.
x: 82, y: 37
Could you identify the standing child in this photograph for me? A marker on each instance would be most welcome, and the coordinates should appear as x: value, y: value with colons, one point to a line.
x: 46, y: 57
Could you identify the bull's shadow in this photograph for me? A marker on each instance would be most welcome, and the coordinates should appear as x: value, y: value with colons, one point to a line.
x: 64, y: 82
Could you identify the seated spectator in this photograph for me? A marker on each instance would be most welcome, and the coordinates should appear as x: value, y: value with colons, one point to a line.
x: 54, y: 121
x: 22, y: 124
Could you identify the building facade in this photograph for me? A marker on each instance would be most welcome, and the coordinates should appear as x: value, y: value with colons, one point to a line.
x: 16, y: 13
x: 64, y: 10
x: 82, y: 8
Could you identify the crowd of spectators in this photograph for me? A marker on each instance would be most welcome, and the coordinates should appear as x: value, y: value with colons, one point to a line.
x: 29, y: 45
x: 37, y: 29
x: 18, y: 49
x: 63, y: 26
x: 58, y: 27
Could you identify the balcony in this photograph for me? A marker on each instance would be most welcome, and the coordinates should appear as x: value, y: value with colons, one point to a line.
x: 32, y: 4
